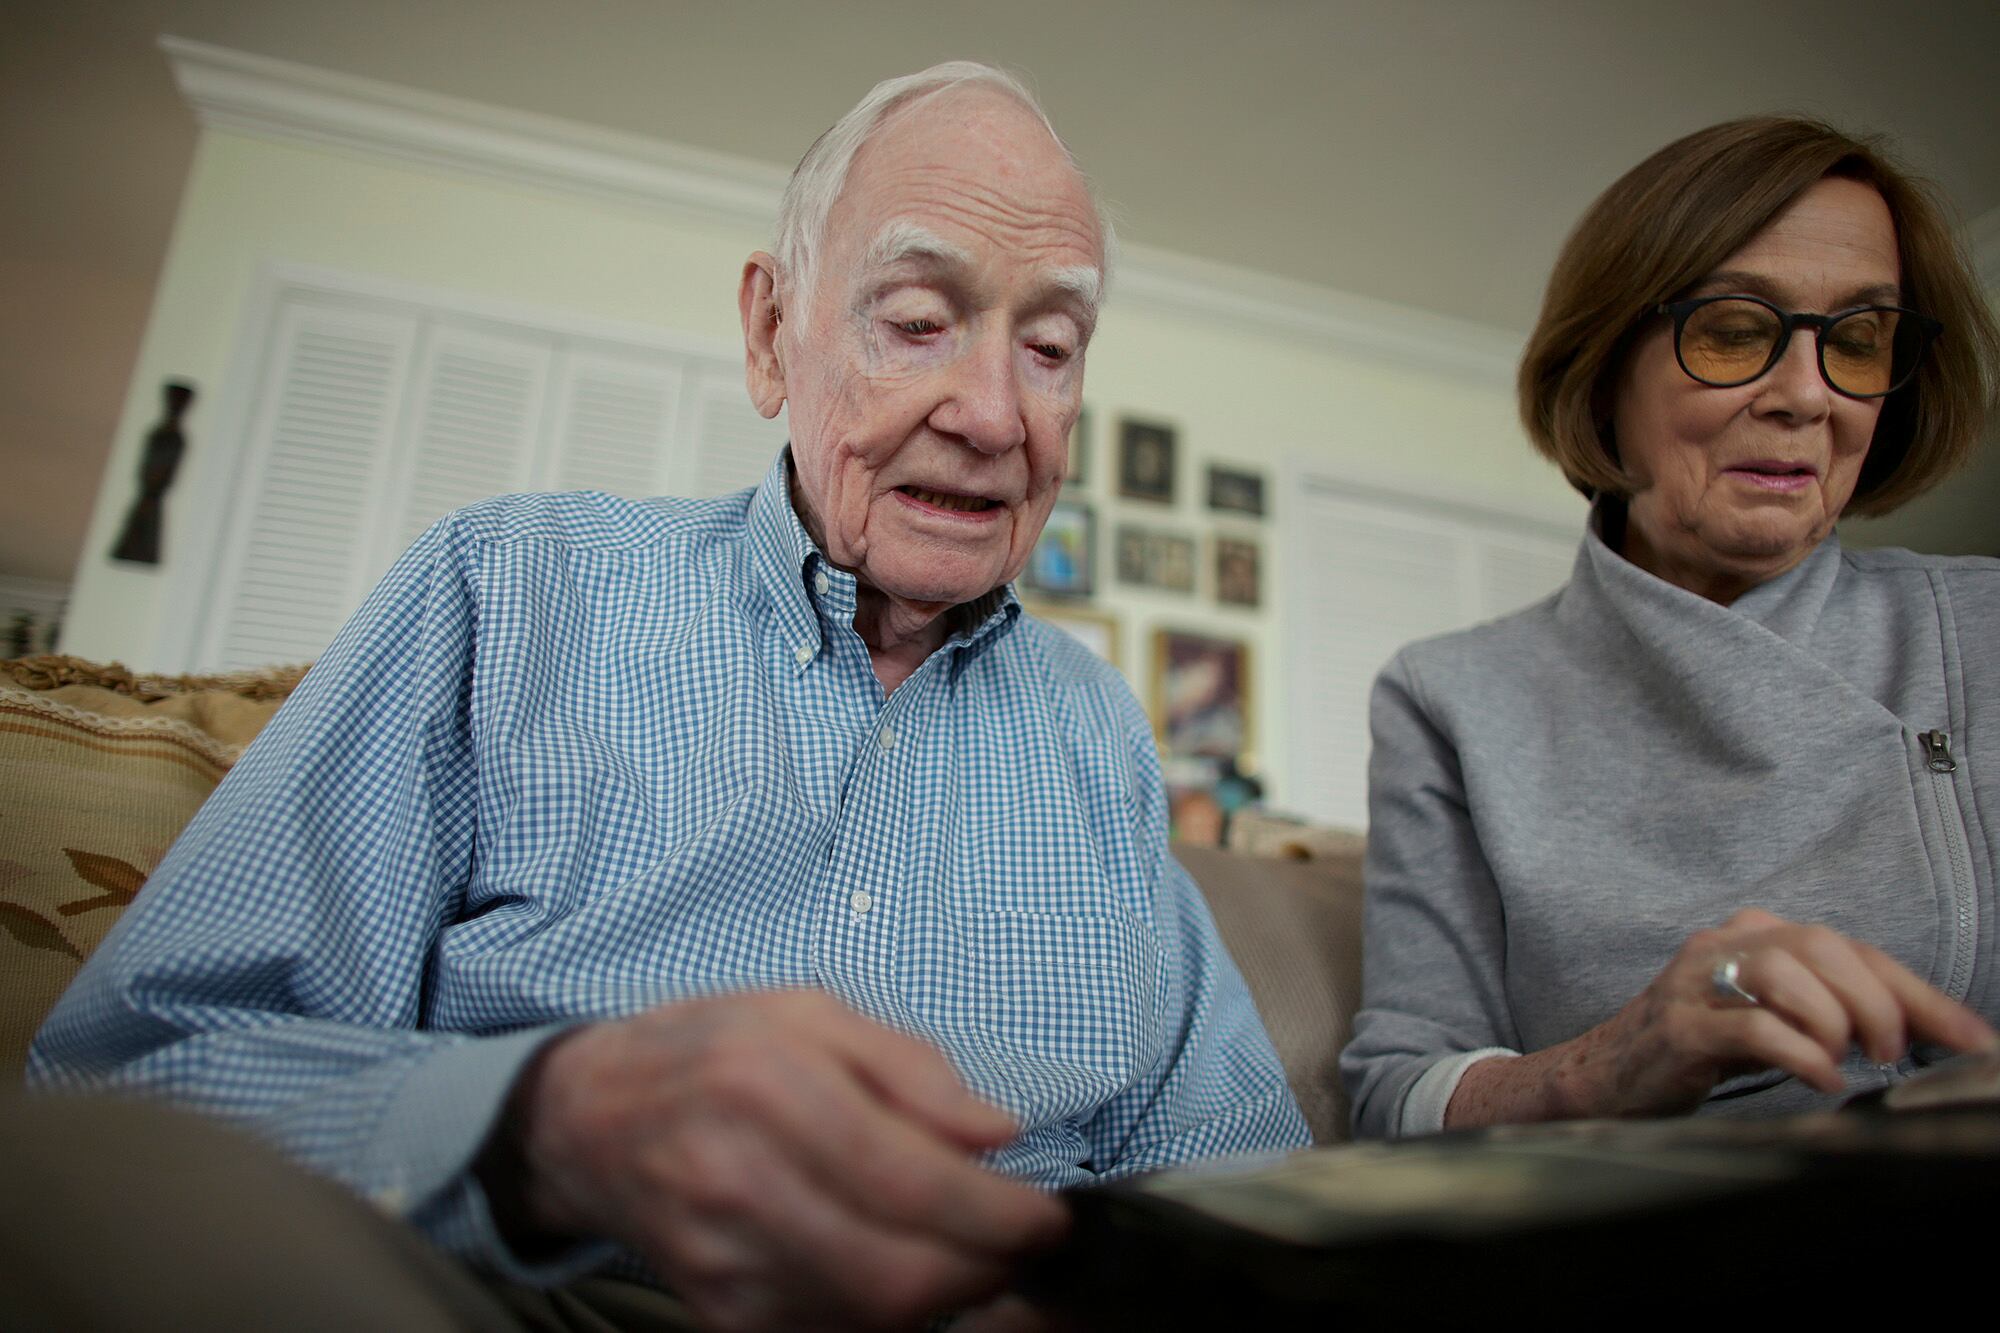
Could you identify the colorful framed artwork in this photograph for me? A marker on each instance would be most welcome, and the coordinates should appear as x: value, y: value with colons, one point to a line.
x: 1238, y: 572
x: 1095, y: 630
x: 1146, y: 461
x: 1064, y: 561
x: 1201, y: 694
x: 1149, y: 558
x: 1079, y: 450
x: 1235, y: 492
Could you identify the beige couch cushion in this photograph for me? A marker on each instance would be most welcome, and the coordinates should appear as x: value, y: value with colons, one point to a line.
x: 99, y: 770
x: 1294, y: 929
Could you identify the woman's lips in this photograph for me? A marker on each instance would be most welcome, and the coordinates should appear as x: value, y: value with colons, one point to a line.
x: 1779, y: 477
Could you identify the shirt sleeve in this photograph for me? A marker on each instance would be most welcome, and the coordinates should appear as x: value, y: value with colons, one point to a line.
x: 273, y: 970
x: 1217, y: 1088
x: 1433, y: 996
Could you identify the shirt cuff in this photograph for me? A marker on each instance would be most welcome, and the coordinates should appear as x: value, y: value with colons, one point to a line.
x: 1424, y: 1104
x: 420, y: 1166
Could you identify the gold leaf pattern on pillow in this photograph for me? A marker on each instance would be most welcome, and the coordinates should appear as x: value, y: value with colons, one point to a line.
x: 120, y: 880
x: 34, y: 930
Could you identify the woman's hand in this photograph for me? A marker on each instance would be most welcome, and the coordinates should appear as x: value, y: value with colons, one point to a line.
x: 1808, y: 995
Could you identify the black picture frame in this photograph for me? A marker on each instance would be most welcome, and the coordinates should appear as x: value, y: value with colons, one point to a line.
x: 1235, y: 491
x: 1147, y: 460
x: 1078, y: 472
x: 1151, y: 558
x: 1239, y: 572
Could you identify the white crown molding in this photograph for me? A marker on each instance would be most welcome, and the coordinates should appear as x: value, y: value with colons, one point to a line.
x: 288, y: 102
x: 1361, y: 325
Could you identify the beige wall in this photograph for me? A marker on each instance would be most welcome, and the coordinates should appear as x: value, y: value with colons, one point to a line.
x: 1264, y: 399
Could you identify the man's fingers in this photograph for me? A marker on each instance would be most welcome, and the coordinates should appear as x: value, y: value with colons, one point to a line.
x: 915, y: 1077
x: 752, y: 1240
x: 886, y: 1165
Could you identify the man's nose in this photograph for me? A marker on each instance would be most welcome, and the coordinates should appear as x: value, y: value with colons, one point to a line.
x: 983, y: 406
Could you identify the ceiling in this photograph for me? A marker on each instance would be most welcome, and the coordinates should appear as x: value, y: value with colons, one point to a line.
x: 1429, y: 152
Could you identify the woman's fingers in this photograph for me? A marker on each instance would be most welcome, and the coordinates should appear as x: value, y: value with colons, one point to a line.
x: 1760, y: 1038
x: 1929, y: 1013
x: 1802, y: 997
x: 1842, y: 992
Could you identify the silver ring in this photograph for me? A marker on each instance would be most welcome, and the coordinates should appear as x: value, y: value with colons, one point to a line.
x: 1726, y: 979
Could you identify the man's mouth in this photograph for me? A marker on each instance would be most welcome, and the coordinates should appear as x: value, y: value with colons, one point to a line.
x: 959, y: 504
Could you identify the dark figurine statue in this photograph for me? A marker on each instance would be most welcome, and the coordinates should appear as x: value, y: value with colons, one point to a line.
x: 139, y: 542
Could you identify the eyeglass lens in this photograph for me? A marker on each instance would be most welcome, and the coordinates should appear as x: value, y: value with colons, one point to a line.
x: 1866, y: 353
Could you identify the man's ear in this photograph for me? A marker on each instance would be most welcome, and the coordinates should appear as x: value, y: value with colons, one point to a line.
x: 757, y: 300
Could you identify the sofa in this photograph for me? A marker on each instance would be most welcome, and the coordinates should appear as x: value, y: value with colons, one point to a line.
x: 100, y: 767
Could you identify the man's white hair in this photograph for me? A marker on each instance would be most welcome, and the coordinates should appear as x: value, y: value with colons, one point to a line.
x: 821, y: 175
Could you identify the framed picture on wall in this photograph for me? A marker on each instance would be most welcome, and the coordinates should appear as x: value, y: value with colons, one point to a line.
x: 1095, y: 630
x: 1201, y: 694
x: 1064, y: 561
x: 1238, y: 572
x: 1146, y: 461
x: 1149, y: 558
x: 1235, y: 492
x: 1079, y: 450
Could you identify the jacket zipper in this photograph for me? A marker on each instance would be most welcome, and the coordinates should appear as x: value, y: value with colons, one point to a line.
x: 1938, y: 759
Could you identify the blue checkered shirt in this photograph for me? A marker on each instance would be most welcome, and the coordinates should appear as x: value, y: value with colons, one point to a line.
x: 578, y: 756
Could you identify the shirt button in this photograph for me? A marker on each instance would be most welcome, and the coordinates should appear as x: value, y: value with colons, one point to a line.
x: 821, y: 583
x: 861, y: 900
x: 886, y: 738
x: 802, y: 654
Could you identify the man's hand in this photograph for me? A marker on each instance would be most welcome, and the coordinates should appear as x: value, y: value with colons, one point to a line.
x: 783, y: 1162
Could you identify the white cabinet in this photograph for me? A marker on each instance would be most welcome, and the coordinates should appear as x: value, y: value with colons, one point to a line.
x: 363, y: 413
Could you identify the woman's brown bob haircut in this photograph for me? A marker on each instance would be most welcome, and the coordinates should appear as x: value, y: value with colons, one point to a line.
x: 1673, y: 219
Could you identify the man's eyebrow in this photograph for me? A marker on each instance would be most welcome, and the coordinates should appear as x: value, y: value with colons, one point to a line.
x: 901, y: 241
x: 1083, y: 283
x: 904, y: 242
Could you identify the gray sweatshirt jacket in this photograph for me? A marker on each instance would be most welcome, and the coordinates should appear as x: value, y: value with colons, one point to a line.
x: 1559, y: 798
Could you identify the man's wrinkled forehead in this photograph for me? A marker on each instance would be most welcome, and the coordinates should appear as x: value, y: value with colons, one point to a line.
x: 905, y: 244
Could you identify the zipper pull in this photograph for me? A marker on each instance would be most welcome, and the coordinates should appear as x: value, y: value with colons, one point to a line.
x: 1937, y: 751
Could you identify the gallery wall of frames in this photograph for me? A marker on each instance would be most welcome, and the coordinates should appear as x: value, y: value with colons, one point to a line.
x: 1146, y: 518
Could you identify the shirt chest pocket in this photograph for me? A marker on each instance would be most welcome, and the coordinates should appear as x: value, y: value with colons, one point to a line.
x: 1078, y: 993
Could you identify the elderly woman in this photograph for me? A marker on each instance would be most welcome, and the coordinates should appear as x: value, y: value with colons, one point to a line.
x: 1599, y: 828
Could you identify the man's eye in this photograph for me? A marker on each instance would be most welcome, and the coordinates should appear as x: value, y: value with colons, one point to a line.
x: 918, y: 328
x: 1053, y: 351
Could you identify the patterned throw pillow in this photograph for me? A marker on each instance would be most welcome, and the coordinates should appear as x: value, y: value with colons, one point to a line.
x: 99, y: 771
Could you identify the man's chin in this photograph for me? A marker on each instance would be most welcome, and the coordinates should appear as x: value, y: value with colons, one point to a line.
x: 937, y: 586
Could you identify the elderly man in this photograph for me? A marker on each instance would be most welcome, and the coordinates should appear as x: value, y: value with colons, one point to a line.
x: 744, y: 885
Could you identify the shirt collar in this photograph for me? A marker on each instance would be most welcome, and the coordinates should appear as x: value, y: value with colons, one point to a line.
x: 789, y: 565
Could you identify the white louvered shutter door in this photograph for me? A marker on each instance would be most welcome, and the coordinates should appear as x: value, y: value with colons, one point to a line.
x: 320, y: 441
x: 480, y: 397
x: 1363, y: 582
x: 732, y: 445
x: 1516, y: 572
x: 614, y: 422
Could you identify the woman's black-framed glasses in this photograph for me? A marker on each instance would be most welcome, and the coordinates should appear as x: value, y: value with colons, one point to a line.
x: 1867, y: 352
